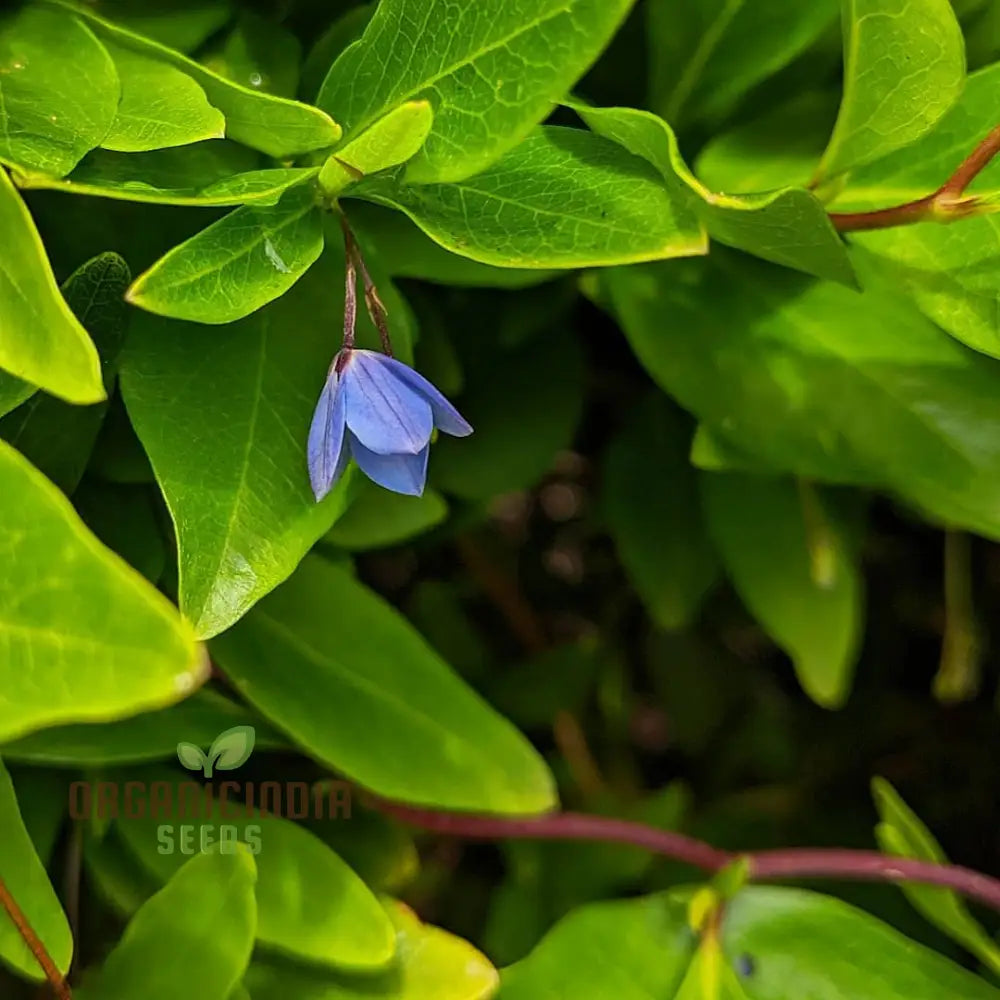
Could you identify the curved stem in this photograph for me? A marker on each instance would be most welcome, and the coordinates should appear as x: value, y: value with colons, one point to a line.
x: 59, y: 985
x: 834, y: 863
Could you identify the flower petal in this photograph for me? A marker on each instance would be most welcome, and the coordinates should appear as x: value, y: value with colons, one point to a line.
x: 327, y: 452
x: 446, y: 417
x: 400, y: 473
x: 384, y: 413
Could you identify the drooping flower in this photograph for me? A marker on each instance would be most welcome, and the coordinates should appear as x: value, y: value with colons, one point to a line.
x: 381, y: 413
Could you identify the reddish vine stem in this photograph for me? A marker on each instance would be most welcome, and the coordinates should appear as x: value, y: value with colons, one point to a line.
x: 944, y: 204
x: 60, y: 987
x: 788, y: 863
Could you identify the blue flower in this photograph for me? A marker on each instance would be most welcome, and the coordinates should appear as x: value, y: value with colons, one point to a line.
x: 381, y: 413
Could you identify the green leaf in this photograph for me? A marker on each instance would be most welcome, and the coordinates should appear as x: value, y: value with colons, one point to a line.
x: 274, y: 125
x: 215, y: 172
x: 630, y: 949
x: 390, y: 141
x: 207, y: 914
x: 181, y: 24
x: 786, y: 554
x: 56, y: 437
x: 25, y: 879
x: 432, y: 965
x: 236, y: 265
x: 407, y: 253
x: 904, y: 67
x: 513, y: 445
x: 232, y: 748
x: 43, y: 799
x: 310, y: 904
x: 42, y: 342
x: 562, y: 198
x: 84, y: 637
x: 239, y: 497
x: 948, y: 270
x: 700, y: 62
x: 789, y: 935
x: 492, y: 69
x: 160, y: 106
x: 818, y: 367
x: 788, y: 227
x: 438, y: 744
x: 377, y: 518
x: 146, y: 737
x: 115, y: 874
x: 343, y: 30
x: 258, y: 53
x: 13, y: 392
x: 902, y: 833
x: 654, y: 512
x: 58, y: 89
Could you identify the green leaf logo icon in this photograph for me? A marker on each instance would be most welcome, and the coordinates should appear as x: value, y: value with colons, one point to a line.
x: 229, y: 751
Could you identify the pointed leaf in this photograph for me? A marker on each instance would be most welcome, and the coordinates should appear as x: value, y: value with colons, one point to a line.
x: 232, y: 748
x: 562, y: 198
x: 274, y: 125
x: 236, y: 265
x: 439, y: 744
x: 48, y: 120
x: 82, y: 635
x: 24, y: 877
x: 493, y: 69
x: 160, y: 106
x: 42, y: 341
x: 206, y: 913
x: 240, y: 499
x: 904, y: 67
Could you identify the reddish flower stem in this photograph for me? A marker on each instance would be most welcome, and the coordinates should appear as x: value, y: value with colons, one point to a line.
x: 944, y: 204
x: 60, y: 987
x: 832, y: 863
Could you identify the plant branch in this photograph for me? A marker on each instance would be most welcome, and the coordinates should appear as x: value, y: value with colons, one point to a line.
x: 376, y: 309
x: 944, y: 205
x: 789, y: 863
x: 55, y: 978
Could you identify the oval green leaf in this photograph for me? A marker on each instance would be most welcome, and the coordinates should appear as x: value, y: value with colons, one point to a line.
x: 366, y: 670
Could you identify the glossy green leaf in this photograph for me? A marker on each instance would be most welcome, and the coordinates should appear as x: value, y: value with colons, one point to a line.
x: 58, y: 89
x: 432, y: 965
x: 378, y: 518
x: 787, y: 556
x: 653, y: 508
x: 215, y: 172
x: 56, y: 437
x: 274, y: 125
x: 514, y: 444
x: 236, y: 265
x: 25, y: 879
x: 83, y: 636
x: 42, y: 342
x: 213, y: 894
x: 818, y: 367
x: 700, y: 62
x: 492, y: 69
x: 904, y: 67
x: 240, y: 500
x: 789, y: 936
x: 901, y: 832
x: 789, y: 226
x: 13, y: 392
x: 950, y: 271
x: 146, y: 737
x: 437, y: 744
x: 310, y: 904
x: 181, y: 24
x: 160, y: 106
x: 630, y: 949
x: 562, y: 198
x: 406, y: 252
x: 259, y: 53
x: 390, y: 141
